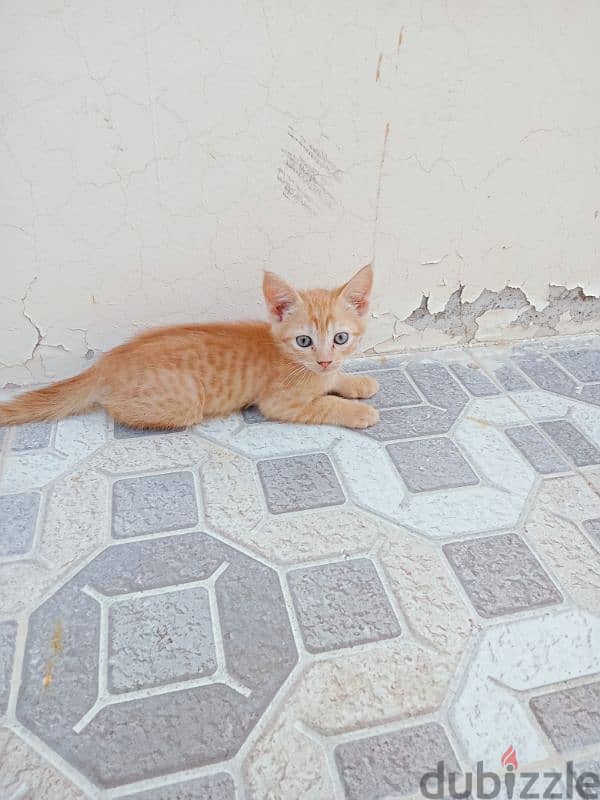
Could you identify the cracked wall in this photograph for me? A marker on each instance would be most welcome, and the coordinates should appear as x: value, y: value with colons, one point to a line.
x: 156, y: 157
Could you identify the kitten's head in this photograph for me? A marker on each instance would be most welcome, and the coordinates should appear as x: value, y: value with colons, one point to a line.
x: 319, y: 328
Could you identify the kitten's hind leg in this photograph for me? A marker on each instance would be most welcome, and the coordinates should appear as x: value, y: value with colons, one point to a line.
x: 158, y: 399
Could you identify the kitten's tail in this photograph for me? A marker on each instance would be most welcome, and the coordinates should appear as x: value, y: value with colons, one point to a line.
x: 53, y: 402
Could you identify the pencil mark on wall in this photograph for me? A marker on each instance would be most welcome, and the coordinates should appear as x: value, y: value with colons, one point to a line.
x: 308, y: 176
x: 398, y: 46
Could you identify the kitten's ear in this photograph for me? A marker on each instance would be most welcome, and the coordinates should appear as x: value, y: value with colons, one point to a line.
x: 357, y: 292
x: 280, y: 298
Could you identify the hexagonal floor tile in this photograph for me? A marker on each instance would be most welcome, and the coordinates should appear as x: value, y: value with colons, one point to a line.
x: 192, y: 719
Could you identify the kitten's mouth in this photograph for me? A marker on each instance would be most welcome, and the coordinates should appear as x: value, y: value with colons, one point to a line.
x: 322, y: 368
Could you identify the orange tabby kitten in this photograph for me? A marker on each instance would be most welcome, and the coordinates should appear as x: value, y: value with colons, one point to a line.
x: 175, y: 377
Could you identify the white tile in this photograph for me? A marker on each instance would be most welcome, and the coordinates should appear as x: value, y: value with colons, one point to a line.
x: 531, y: 653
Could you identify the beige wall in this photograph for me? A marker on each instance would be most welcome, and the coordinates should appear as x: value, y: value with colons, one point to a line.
x: 154, y: 159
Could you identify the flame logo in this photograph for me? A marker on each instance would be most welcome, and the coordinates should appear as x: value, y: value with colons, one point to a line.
x: 509, y: 758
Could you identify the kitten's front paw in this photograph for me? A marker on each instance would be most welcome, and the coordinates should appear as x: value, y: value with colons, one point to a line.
x: 366, y: 387
x: 363, y: 416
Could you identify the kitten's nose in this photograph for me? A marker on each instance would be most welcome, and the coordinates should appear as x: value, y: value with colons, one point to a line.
x: 324, y: 364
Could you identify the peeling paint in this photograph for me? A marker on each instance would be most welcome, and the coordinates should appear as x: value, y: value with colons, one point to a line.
x: 493, y: 317
x: 460, y: 320
x: 579, y: 306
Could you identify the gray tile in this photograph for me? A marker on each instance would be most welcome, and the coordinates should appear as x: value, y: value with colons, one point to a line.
x: 394, y: 390
x: 592, y: 526
x: 511, y: 379
x: 154, y: 564
x: 158, y: 639
x: 570, y: 717
x: 253, y: 414
x: 405, y: 423
x: 341, y: 604
x: 211, y: 787
x: 445, y: 397
x: 546, y: 373
x: 537, y: 449
x: 583, y: 364
x: 151, y: 736
x: 377, y: 363
x: 18, y: 519
x: 427, y: 464
x: 121, y: 431
x: 572, y: 442
x: 393, y: 764
x: 32, y: 436
x: 300, y: 482
x: 501, y: 575
x: 164, y: 733
x: 474, y: 379
x: 438, y: 386
x: 257, y: 639
x: 590, y: 393
x: 153, y: 503
x: 8, y: 638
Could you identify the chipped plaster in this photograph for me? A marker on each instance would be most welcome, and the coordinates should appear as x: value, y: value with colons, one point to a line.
x: 156, y: 157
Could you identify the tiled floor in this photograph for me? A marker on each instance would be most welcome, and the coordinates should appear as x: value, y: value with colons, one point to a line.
x: 261, y: 611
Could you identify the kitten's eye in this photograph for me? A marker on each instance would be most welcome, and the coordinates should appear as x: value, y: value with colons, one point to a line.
x: 303, y: 341
x: 341, y: 338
